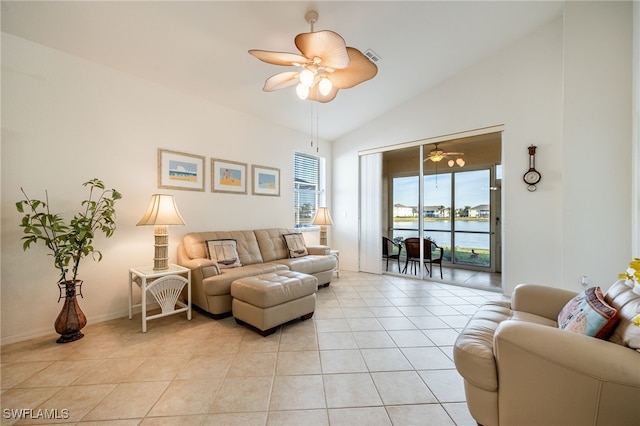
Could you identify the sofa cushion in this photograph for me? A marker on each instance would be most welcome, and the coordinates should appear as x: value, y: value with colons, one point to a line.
x: 588, y: 313
x: 621, y: 297
x: 225, y: 252
x: 271, y: 243
x: 295, y: 245
x: 221, y: 284
x: 194, y: 245
x: 310, y: 264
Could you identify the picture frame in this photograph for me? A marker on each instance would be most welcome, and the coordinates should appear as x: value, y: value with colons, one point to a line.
x: 228, y: 176
x: 266, y: 180
x: 179, y: 170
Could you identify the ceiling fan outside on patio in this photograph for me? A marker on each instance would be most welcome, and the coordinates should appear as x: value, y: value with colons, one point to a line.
x: 437, y: 155
x: 327, y: 65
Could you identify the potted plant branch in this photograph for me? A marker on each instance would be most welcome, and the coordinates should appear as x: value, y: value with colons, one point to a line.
x: 69, y: 243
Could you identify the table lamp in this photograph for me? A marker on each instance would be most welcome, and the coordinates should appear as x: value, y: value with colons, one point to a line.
x: 323, y: 218
x: 161, y: 213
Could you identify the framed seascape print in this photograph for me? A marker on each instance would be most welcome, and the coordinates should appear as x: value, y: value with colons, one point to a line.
x: 266, y: 180
x: 228, y: 176
x: 177, y: 170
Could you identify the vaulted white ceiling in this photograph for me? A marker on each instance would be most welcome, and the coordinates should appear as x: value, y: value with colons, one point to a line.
x: 200, y: 47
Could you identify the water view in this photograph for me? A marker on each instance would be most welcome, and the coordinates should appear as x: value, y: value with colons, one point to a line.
x: 472, y: 238
x: 439, y: 231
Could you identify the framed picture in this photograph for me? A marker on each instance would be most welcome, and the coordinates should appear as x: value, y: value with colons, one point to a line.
x: 177, y: 170
x: 228, y: 176
x: 266, y: 180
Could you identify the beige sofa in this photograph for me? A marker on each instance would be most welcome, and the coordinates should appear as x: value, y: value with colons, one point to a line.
x: 261, y: 251
x: 519, y: 368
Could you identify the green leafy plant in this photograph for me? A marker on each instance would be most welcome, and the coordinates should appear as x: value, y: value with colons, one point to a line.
x: 70, y: 242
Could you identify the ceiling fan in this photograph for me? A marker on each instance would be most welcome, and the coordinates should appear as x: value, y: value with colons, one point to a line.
x: 327, y: 65
x: 437, y: 155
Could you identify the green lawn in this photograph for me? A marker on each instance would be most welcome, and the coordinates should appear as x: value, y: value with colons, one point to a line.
x: 464, y: 255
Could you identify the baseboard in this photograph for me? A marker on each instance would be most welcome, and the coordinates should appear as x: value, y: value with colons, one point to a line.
x: 49, y: 331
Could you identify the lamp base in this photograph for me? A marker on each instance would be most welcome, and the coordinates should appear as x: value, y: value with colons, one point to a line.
x: 160, y: 264
x: 161, y: 248
x: 323, y: 235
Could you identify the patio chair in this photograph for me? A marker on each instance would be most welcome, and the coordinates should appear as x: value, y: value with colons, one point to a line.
x: 432, y: 254
x: 388, y: 251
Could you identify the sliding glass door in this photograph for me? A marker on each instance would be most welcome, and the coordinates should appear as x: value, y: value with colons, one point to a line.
x: 446, y: 190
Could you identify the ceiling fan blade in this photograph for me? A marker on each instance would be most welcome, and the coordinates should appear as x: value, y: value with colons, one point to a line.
x: 359, y: 70
x: 280, y: 81
x: 278, y: 58
x: 326, y: 45
x: 315, y: 95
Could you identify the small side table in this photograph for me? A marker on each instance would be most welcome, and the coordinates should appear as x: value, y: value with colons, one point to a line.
x: 336, y: 254
x: 144, y: 278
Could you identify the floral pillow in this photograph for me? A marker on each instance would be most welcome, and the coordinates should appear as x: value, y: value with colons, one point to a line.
x: 295, y: 244
x: 588, y: 314
x: 225, y: 252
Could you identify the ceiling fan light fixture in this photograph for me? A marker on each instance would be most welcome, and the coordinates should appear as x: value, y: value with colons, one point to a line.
x: 325, y: 86
x: 321, y: 52
x: 436, y: 156
x: 453, y: 158
x: 302, y: 91
x: 307, y: 77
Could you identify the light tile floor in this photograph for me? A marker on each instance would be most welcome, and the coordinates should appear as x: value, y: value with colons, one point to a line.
x: 456, y: 276
x: 378, y: 351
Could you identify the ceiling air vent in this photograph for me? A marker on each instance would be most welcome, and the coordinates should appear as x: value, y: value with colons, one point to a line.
x: 373, y: 56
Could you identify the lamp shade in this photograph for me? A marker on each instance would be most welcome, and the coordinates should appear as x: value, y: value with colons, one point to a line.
x: 323, y: 217
x: 162, y: 211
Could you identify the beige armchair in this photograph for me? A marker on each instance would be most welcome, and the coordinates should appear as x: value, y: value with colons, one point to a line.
x: 520, y: 369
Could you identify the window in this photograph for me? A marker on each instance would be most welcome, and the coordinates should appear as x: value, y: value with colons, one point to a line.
x: 306, y: 188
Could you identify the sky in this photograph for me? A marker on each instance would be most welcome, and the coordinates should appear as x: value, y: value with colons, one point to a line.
x: 472, y: 189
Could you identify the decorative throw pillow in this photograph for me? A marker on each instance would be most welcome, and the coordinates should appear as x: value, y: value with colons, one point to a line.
x: 588, y: 314
x: 225, y: 252
x: 295, y: 244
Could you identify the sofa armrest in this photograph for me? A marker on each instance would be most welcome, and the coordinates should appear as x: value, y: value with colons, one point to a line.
x: 583, y: 355
x: 318, y: 249
x: 203, y: 268
x: 200, y: 267
x: 552, y: 376
x: 540, y: 300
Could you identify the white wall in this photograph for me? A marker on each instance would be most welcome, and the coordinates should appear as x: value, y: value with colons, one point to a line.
x: 596, y: 176
x: 65, y: 121
x: 521, y: 87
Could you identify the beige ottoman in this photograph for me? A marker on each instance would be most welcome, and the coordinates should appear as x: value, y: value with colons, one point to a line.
x: 269, y: 300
